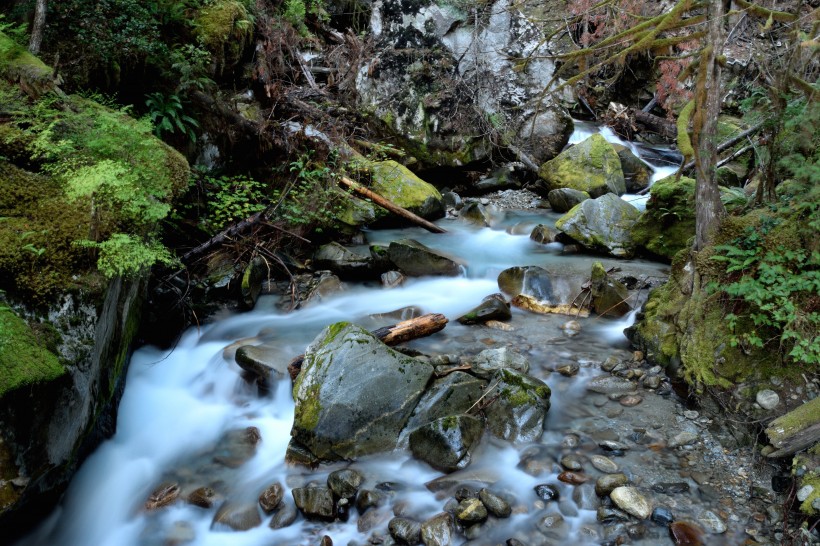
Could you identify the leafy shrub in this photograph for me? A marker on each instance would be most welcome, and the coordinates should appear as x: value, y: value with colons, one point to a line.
x: 168, y: 115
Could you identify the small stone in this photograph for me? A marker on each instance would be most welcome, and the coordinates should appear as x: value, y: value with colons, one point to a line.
x: 652, y: 382
x: 404, y: 530
x: 606, y: 484
x: 163, y: 495
x: 804, y: 492
x: 438, y: 530
x: 471, y: 511
x: 368, y: 498
x: 684, y: 533
x: 204, y: 497
x: 570, y: 441
x: 345, y: 482
x: 568, y: 370
x: 573, y: 478
x: 270, y: 498
x: 604, y: 464
x: 547, y: 492
x: 571, y: 328
x: 315, y: 502
x: 691, y: 414
x: 571, y: 462
x: 495, y: 504
x: 237, y: 516
x: 284, y: 516
x: 630, y: 500
x: 608, y: 516
x: 682, y: 439
x: 711, y: 522
x: 631, y: 400
x: 613, y: 447
x: 662, y: 516
x: 767, y: 399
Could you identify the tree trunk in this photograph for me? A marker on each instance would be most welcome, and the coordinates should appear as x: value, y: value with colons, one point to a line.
x: 709, y: 209
x: 37, y: 28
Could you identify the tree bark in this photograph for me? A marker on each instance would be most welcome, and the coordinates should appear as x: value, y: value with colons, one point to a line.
x: 405, y: 330
x: 796, y: 430
x: 36, y: 39
x: 662, y: 126
x: 389, y: 205
x: 709, y: 210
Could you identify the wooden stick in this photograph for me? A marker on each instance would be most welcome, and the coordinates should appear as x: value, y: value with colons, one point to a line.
x: 406, y: 330
x: 389, y: 205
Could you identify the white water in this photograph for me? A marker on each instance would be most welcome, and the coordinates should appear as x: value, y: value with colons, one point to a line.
x: 178, y: 404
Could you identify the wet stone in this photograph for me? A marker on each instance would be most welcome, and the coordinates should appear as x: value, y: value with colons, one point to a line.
x: 609, y: 515
x: 404, y: 530
x: 671, y: 488
x: 315, y: 502
x: 584, y: 497
x: 495, y: 505
x: 662, y: 516
x: 606, y: 484
x: 684, y: 533
x: 711, y: 522
x: 345, y: 482
x: 568, y: 370
x: 570, y: 440
x: 438, y: 530
x: 466, y: 492
x: 571, y: 462
x: 610, y: 384
x: 630, y: 400
x: 163, y: 495
x: 270, y: 498
x: 237, y: 516
x: 573, y: 478
x: 652, y: 382
x: 682, y: 439
x: 471, y: 511
x: 368, y: 498
x: 767, y: 399
x: 613, y: 447
x: 603, y: 464
x: 547, y: 492
x: 552, y: 526
x: 204, y: 497
x: 630, y: 500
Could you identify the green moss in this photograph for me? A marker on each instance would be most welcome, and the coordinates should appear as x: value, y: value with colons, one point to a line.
x: 668, y: 223
x: 592, y: 166
x: 23, y: 359
x: 225, y: 27
x: 17, y: 64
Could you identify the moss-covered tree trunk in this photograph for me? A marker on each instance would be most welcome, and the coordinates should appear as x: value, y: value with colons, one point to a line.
x: 709, y: 208
x: 37, y: 28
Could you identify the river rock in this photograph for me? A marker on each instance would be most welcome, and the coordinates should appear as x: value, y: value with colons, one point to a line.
x: 591, y: 166
x: 471, y: 511
x: 493, y: 307
x: 630, y: 500
x: 637, y: 174
x: 603, y: 464
x: 489, y: 361
x: 609, y: 297
x: 572, y: 478
x: 495, y: 505
x: 264, y: 362
x: 236, y: 447
x: 438, y: 530
x: 584, y: 497
x: 518, y: 414
x: 398, y: 184
x: 544, y: 234
x: 529, y: 280
x: 405, y: 530
x: 447, y: 443
x: 347, y: 367
x: 711, y: 522
x: 606, y: 484
x: 239, y: 516
x: 392, y: 279
x: 767, y: 399
x: 453, y: 394
x: 476, y: 213
x: 564, y: 199
x: 270, y: 498
x: 684, y: 533
x: 345, y: 482
x: 251, y: 284
x: 315, y: 502
x: 610, y: 384
x: 682, y: 439
x: 416, y: 260
x: 346, y: 263
x: 602, y: 224
x: 204, y: 497
x: 163, y: 495
x: 668, y: 223
x: 662, y: 516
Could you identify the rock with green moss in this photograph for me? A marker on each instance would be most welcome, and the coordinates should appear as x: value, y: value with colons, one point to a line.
x: 398, y: 184
x: 563, y: 199
x: 668, y: 223
x: 417, y: 260
x: 25, y: 361
x: 447, y: 443
x: 20, y: 66
x: 603, y: 224
x: 489, y: 361
x: 637, y: 174
x: 609, y: 297
x: 493, y: 307
x: 354, y: 394
x: 591, y: 166
x: 806, y: 469
x: 225, y: 27
x: 345, y: 262
x: 518, y: 413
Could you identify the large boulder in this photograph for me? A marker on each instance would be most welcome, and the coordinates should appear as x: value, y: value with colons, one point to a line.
x: 518, y: 414
x: 602, y: 224
x: 530, y: 280
x: 344, y: 262
x: 417, y: 260
x: 592, y: 166
x: 637, y: 174
x: 563, y: 199
x: 397, y: 183
x: 609, y: 297
x: 354, y: 394
x: 448, y: 81
x: 453, y: 394
x: 668, y: 223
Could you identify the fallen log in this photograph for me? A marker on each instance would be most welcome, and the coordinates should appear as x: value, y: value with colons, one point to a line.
x: 389, y: 205
x: 729, y: 143
x: 796, y: 430
x: 400, y: 332
x: 662, y: 126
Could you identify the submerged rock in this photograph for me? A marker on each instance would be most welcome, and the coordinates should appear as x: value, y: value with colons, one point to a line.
x: 416, y: 260
x: 237, y: 516
x: 591, y: 166
x: 438, y: 530
x: 354, y: 394
x: 489, y: 361
x: 544, y: 234
x: 528, y: 280
x: 447, y: 443
x: 264, y: 362
x: 270, y: 498
x: 602, y: 224
x: 315, y: 502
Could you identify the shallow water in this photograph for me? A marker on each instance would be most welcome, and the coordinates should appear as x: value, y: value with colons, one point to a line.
x: 178, y: 404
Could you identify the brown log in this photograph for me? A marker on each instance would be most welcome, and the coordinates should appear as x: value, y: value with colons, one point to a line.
x: 389, y: 205
x: 662, y: 126
x: 405, y: 330
x: 797, y: 430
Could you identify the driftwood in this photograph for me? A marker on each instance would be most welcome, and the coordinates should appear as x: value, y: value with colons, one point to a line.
x: 798, y: 429
x: 662, y: 126
x: 389, y: 205
x: 406, y: 330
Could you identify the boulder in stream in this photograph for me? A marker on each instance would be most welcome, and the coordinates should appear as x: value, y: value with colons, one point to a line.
x: 354, y: 394
x: 518, y: 413
x: 493, y: 307
x: 453, y: 394
x: 591, y: 166
x: 263, y: 361
x: 344, y: 262
x: 398, y: 184
x: 489, y: 361
x: 447, y: 443
x: 416, y: 260
x: 563, y: 199
x: 668, y: 223
x: 602, y: 224
x: 609, y: 297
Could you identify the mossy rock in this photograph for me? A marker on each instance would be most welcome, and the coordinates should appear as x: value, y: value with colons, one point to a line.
x: 24, y: 359
x: 225, y: 27
x: 668, y: 223
x: 397, y: 183
x: 592, y: 166
x: 20, y: 66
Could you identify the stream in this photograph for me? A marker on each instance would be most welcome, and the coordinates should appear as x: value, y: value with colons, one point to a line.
x: 179, y: 405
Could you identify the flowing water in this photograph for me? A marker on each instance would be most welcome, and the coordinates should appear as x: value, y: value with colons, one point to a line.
x: 179, y: 404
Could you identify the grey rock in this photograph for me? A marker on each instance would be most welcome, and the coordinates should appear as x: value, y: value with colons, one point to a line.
x: 531, y: 281
x: 438, y: 530
x: 544, y: 234
x: 489, y: 361
x: 767, y: 399
x: 392, y: 279
x: 493, y: 307
x: 571, y: 462
x: 609, y: 384
x: 453, y: 394
x: 347, y: 367
x: 518, y: 414
x: 476, y: 213
x: 602, y: 224
x: 284, y: 516
x: 447, y: 443
x: 265, y: 362
x: 270, y: 498
x: 711, y: 522
x: 495, y: 505
x: 584, y: 497
x: 682, y: 439
x: 631, y: 501
x: 237, y: 516
x: 604, y: 464
x: 416, y: 260
x: 606, y: 484
x: 345, y: 482
x: 343, y: 261
x: 405, y: 530
x: 471, y: 511
x: 315, y: 502
x: 563, y: 199
x: 805, y: 492
x: 452, y: 200
x: 609, y: 297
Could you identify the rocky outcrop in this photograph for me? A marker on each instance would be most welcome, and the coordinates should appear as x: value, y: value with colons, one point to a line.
x: 602, y: 224
x: 446, y: 79
x: 591, y: 166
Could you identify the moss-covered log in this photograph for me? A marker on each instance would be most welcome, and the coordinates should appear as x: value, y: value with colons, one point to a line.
x: 797, y: 430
